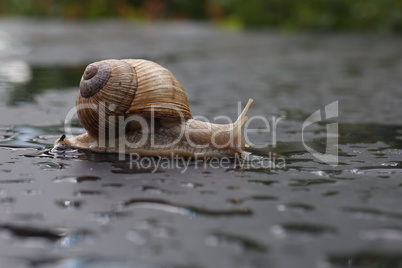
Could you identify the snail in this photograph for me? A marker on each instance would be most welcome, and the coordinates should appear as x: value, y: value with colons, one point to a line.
x: 138, y: 107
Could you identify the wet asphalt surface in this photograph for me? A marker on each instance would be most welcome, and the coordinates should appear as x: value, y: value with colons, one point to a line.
x: 89, y: 210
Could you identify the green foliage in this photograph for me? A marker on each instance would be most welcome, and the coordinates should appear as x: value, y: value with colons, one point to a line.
x: 377, y: 15
x: 322, y: 15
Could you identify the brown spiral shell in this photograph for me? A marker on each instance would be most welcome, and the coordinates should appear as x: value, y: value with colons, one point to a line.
x: 112, y: 88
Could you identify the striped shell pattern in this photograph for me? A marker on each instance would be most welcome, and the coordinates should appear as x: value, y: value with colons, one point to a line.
x: 113, y: 88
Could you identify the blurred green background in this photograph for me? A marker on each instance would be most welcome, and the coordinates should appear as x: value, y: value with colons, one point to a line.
x: 317, y: 15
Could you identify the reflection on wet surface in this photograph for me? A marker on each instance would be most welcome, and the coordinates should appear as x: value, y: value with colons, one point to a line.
x: 90, y: 192
x: 80, y: 209
x: 288, y: 203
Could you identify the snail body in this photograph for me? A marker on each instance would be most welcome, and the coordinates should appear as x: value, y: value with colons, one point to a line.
x: 139, y: 107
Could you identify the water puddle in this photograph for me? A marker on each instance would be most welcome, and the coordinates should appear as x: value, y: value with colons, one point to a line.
x: 43, y: 79
x: 19, y: 137
x: 283, y: 156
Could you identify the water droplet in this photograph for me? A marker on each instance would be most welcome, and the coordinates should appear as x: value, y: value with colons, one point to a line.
x: 88, y: 193
x: 154, y: 228
x: 264, y: 182
x: 7, y: 200
x: 46, y: 139
x: 321, y: 173
x: 33, y: 192
x: 69, y: 204
x: 207, y: 192
x: 376, y: 171
x: 233, y: 188
x: 236, y: 200
x: 87, y: 178
x: 191, y: 185
x: 51, y: 165
x: 61, y: 237
x: 330, y: 193
x: 65, y: 179
x: 77, y: 179
x: 308, y: 182
x: 239, y: 243
x: 104, y: 217
x: 262, y: 197
x: 81, y: 262
x: 28, y: 216
x: 303, y: 230
x: 114, y: 185
x: 151, y: 189
x: 28, y: 231
x: 184, y: 209
x: 300, y: 207
x: 137, y: 237
x: 17, y: 181
x: 392, y: 164
x: 253, y: 197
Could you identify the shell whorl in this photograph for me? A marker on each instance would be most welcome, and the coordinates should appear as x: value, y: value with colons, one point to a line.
x: 107, y: 94
x: 94, y: 78
x: 112, y: 88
